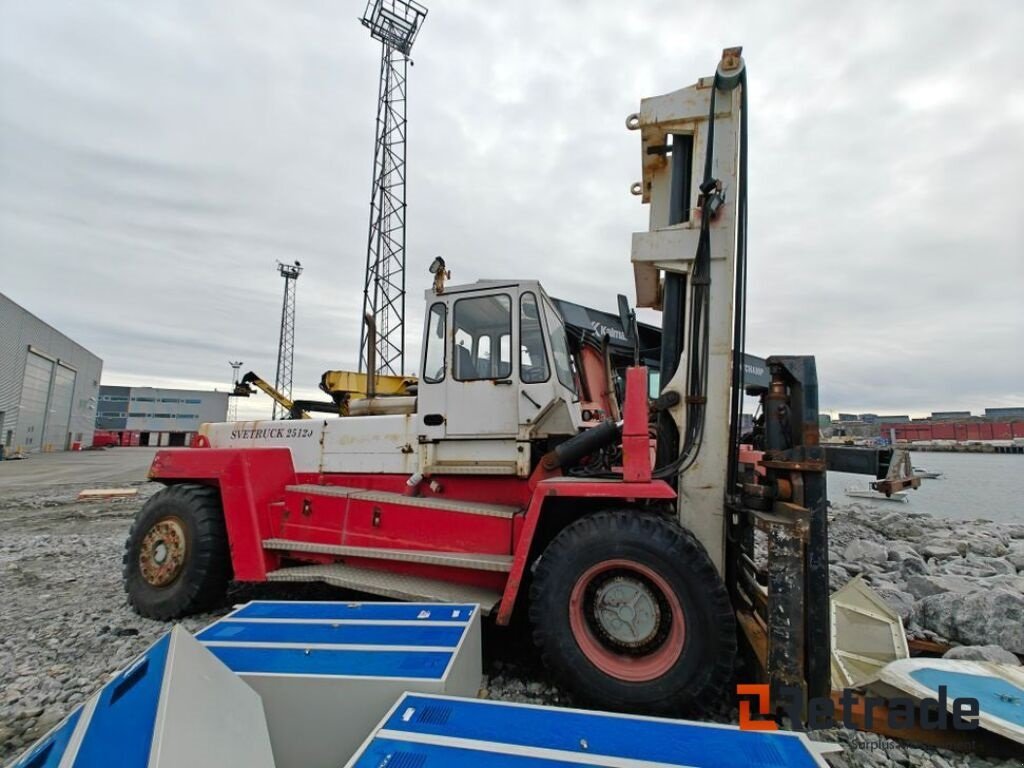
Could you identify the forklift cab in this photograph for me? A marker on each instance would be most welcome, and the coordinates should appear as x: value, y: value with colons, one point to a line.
x: 496, y: 367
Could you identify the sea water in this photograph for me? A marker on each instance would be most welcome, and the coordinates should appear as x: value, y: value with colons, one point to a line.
x: 973, y: 485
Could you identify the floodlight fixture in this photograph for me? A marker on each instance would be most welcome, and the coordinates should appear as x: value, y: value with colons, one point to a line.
x: 394, y: 22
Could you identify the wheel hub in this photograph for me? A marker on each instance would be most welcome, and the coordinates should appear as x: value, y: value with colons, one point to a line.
x: 627, y: 620
x: 627, y: 612
x: 163, y: 551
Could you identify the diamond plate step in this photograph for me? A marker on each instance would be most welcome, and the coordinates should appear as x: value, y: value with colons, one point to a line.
x: 447, y: 505
x: 502, y: 563
x: 396, y: 585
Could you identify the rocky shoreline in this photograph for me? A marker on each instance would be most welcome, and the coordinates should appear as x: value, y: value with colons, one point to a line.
x: 956, y: 582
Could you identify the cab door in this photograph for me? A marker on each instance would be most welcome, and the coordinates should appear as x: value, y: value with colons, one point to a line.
x: 481, y: 391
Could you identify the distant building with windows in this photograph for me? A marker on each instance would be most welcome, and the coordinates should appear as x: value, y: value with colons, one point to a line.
x: 1004, y: 414
x: 901, y: 419
x: 948, y: 415
x: 151, y: 416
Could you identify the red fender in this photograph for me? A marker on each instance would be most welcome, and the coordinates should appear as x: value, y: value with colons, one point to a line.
x: 636, y: 483
x: 250, y: 479
x: 568, y: 487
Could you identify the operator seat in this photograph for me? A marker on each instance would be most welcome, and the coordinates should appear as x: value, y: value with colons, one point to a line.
x: 465, y: 368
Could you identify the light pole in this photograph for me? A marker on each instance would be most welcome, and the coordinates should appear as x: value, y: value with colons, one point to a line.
x: 233, y: 408
x: 395, y: 24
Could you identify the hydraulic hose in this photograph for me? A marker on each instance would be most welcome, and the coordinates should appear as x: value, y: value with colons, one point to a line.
x: 580, y: 446
x: 697, y: 357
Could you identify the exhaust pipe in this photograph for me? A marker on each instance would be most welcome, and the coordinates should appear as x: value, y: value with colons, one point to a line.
x: 371, y: 356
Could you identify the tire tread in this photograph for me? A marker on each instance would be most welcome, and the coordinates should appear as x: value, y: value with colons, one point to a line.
x: 665, y: 536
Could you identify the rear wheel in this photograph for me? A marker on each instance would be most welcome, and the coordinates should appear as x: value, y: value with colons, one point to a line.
x: 630, y: 614
x: 176, y: 560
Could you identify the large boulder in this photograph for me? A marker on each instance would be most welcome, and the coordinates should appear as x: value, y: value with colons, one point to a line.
x: 995, y: 564
x: 862, y: 551
x: 898, y: 551
x: 912, y: 566
x: 1012, y: 583
x: 1016, y: 559
x: 992, y: 653
x: 902, y: 603
x: 994, y: 616
x: 973, y: 565
x: 896, y: 525
x: 987, y: 547
x: 921, y: 586
x: 940, y: 551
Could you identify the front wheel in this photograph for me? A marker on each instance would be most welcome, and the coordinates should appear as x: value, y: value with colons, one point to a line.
x: 630, y: 614
x: 176, y: 560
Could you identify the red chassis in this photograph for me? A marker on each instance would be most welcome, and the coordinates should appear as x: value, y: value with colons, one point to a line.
x: 255, y: 488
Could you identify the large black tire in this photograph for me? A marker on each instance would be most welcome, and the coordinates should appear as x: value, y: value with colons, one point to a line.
x: 176, y: 559
x: 630, y: 614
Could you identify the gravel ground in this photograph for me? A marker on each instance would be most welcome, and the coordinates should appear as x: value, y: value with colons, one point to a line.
x: 66, y: 625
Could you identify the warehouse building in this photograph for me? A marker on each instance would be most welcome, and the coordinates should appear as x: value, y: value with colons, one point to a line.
x: 48, y: 385
x: 150, y: 416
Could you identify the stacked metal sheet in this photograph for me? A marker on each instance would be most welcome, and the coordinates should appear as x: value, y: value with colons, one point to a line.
x: 328, y: 671
x: 175, y: 705
x: 445, y: 732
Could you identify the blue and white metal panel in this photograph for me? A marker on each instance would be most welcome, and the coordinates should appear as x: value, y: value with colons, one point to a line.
x: 446, y: 732
x: 175, y: 705
x: 328, y: 671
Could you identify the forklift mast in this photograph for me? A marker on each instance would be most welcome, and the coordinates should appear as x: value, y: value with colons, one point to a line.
x: 691, y: 265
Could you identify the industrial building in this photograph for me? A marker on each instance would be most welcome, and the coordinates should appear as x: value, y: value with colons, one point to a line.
x: 150, y: 416
x: 48, y: 385
x: 1005, y: 414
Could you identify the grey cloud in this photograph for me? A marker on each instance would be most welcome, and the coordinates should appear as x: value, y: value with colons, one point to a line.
x: 156, y: 159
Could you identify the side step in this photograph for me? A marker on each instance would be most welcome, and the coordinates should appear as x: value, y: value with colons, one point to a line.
x: 396, y: 585
x: 384, y: 497
x: 500, y: 563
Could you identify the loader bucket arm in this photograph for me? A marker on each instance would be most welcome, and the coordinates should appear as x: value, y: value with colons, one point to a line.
x: 252, y: 378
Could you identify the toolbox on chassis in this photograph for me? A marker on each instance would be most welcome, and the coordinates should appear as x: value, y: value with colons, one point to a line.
x: 627, y: 541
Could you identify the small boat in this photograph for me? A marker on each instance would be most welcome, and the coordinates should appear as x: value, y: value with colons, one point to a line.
x: 867, y: 493
x: 998, y: 689
x: 925, y: 474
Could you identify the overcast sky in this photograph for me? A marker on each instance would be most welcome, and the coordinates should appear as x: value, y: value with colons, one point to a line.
x: 158, y: 158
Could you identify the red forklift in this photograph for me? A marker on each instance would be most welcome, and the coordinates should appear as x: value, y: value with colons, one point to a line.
x: 621, y: 528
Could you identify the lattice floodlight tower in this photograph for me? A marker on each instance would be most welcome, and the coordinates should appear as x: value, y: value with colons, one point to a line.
x: 286, y: 345
x: 395, y: 23
x: 236, y: 366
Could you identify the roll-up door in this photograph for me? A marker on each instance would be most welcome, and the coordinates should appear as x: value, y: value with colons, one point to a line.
x: 35, y: 392
x: 59, y: 411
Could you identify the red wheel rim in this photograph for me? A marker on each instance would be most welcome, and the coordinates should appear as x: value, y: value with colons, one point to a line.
x: 601, y: 652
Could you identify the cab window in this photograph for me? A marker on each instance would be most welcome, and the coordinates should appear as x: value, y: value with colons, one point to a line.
x: 482, y: 326
x: 433, y: 358
x: 559, y: 348
x: 533, y: 358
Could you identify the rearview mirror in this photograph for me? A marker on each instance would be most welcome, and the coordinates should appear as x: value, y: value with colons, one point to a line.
x: 627, y: 317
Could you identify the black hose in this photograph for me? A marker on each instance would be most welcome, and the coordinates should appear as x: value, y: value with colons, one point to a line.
x: 739, y: 333
x: 580, y: 446
x: 697, y: 358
